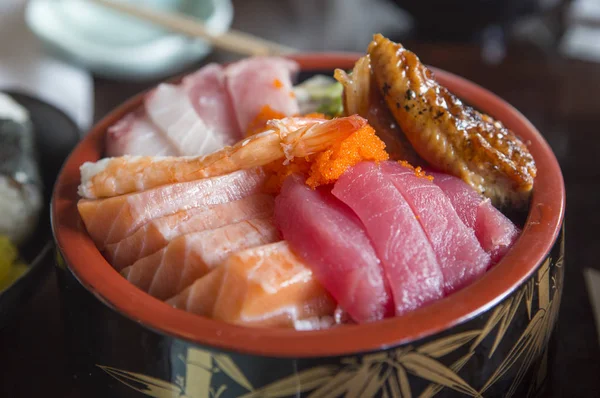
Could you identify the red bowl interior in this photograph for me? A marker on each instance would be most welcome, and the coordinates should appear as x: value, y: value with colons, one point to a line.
x: 540, y: 232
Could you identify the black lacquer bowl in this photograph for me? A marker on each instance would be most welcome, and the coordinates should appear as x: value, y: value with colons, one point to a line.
x: 56, y: 135
x: 489, y: 339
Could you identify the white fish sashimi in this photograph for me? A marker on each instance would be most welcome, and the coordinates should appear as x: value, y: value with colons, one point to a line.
x: 262, y: 81
x: 209, y: 97
x: 170, y: 108
x: 135, y: 134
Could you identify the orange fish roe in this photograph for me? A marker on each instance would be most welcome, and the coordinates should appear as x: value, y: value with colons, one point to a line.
x: 317, y: 115
x: 279, y: 172
x: 326, y: 167
x: 419, y: 172
x: 292, y: 94
x: 329, y: 165
x: 277, y: 83
x: 259, y: 124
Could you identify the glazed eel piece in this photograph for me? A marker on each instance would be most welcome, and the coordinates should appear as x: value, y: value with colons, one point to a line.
x: 362, y: 97
x: 448, y: 134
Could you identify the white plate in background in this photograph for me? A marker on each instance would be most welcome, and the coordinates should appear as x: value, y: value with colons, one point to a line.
x: 122, y: 47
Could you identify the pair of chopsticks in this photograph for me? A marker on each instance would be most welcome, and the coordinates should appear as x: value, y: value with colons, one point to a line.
x: 234, y: 41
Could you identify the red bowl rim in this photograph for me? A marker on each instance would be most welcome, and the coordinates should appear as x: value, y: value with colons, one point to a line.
x: 539, y: 235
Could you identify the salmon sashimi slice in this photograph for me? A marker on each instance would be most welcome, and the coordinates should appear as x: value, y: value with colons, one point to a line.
x: 286, y: 139
x: 113, y: 219
x: 170, y: 108
x: 209, y: 97
x: 326, y: 234
x: 459, y: 253
x: 189, y: 257
x: 200, y: 297
x: 261, y: 81
x: 495, y: 232
x: 135, y: 134
x: 266, y: 286
x: 409, y: 261
x: 157, y: 233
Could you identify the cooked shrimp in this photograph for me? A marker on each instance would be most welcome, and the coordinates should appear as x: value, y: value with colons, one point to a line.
x: 450, y: 135
x: 287, y: 138
x: 361, y: 97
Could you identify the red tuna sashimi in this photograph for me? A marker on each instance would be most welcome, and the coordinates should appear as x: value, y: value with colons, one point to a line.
x: 209, y: 97
x: 261, y: 81
x: 409, y: 261
x: 494, y: 231
x: 113, y: 219
x: 135, y: 134
x: 328, y: 236
x: 458, y: 252
x: 170, y: 108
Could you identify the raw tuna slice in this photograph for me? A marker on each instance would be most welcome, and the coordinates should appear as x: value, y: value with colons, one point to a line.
x: 135, y: 134
x: 409, y: 261
x: 266, y: 286
x: 156, y: 234
x: 189, y: 257
x: 494, y: 231
x: 209, y: 97
x: 169, y: 107
x: 328, y: 236
x: 261, y: 81
x: 113, y: 219
x: 458, y: 252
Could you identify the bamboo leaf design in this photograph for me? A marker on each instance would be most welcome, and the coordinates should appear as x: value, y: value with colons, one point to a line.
x: 491, y: 323
x: 522, y: 345
x: 216, y: 394
x: 543, y: 275
x: 542, y: 371
x: 301, y: 382
x: 376, y: 382
x: 231, y: 369
x: 404, y: 383
x: 441, y: 347
x: 370, y: 381
x: 529, y: 356
x: 506, y: 320
x: 529, y: 289
x: 394, y: 384
x: 337, y: 386
x: 432, y: 370
x: 359, y: 381
x: 433, y: 388
x: 147, y: 385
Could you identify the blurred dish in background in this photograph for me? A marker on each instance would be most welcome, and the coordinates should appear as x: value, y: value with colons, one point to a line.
x: 321, y: 25
x: 20, y: 183
x: 114, y: 45
x: 26, y: 256
x: 26, y: 67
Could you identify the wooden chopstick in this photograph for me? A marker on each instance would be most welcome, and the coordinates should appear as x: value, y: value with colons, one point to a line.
x: 234, y: 41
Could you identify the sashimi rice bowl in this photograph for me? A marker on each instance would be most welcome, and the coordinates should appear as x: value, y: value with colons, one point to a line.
x: 314, y: 225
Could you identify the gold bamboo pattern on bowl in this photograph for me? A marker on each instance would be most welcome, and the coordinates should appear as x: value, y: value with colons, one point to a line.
x: 387, y: 373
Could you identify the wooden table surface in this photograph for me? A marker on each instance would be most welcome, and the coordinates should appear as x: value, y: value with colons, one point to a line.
x: 559, y: 96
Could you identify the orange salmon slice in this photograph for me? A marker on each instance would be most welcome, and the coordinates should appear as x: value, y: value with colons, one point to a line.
x: 157, y: 233
x: 113, y: 219
x: 189, y: 257
x: 267, y: 286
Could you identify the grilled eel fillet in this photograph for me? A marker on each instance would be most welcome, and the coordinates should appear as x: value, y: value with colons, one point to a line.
x: 451, y: 136
x: 362, y: 97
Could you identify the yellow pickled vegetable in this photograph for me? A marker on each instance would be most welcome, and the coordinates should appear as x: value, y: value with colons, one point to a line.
x: 10, y: 266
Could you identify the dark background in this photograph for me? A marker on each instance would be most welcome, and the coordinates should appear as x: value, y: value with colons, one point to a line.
x: 484, y: 42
